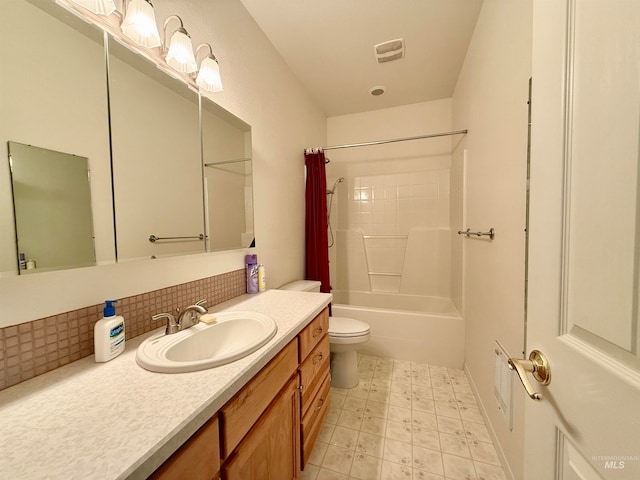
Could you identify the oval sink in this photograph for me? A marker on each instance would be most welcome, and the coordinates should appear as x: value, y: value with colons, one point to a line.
x: 233, y: 336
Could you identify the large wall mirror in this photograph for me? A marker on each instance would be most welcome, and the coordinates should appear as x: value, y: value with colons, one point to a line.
x: 53, y: 96
x: 228, y: 179
x: 52, y: 208
x: 156, y: 159
x: 53, y: 92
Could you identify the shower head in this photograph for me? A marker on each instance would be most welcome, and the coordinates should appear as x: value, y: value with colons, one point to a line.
x: 333, y: 189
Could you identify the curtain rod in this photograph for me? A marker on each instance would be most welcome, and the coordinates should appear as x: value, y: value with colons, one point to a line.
x: 379, y: 142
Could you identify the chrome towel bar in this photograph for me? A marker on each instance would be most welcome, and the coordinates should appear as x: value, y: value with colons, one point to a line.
x: 153, y: 238
x: 491, y: 233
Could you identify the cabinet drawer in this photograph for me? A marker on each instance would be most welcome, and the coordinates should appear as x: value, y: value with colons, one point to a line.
x: 313, y: 370
x: 240, y: 413
x: 312, y: 334
x: 197, y: 459
x: 312, y: 421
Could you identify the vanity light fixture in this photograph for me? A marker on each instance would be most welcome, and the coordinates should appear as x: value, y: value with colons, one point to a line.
x: 100, y: 7
x: 179, y: 53
x: 208, y: 77
x: 139, y: 23
x: 136, y: 20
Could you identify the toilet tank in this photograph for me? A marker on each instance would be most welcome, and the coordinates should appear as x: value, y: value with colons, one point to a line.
x: 302, y: 286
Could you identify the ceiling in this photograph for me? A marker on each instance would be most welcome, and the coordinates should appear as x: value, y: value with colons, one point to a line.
x: 329, y: 46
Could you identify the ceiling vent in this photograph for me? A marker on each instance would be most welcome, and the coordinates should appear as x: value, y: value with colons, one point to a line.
x: 389, y: 51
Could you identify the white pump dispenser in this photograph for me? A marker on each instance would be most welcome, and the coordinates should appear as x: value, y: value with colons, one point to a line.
x: 109, y: 334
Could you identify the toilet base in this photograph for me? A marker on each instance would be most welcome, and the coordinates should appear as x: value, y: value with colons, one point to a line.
x: 344, y: 369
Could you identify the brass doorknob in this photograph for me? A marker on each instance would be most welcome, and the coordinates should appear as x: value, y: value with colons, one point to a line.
x: 537, y: 365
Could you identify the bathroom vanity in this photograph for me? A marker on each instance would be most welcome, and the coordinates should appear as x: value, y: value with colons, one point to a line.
x: 117, y: 420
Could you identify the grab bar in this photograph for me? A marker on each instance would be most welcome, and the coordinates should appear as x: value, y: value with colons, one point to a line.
x: 491, y: 233
x: 153, y: 238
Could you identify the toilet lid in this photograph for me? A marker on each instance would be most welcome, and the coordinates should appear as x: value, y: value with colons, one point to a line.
x: 347, y: 327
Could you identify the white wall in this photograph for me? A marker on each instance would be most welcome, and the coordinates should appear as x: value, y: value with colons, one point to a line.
x: 490, y: 100
x: 260, y: 89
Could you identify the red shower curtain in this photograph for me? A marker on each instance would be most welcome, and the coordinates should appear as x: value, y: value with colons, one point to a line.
x: 316, y: 243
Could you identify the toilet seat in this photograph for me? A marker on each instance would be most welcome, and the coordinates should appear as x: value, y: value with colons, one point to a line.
x: 343, y: 327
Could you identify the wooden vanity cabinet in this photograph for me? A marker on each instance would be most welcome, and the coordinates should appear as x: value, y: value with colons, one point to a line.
x: 310, y: 335
x: 315, y: 382
x: 268, y: 429
x: 271, y: 450
x: 197, y: 459
x: 242, y: 412
x: 259, y: 425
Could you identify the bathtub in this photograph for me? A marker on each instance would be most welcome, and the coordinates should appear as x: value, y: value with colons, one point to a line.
x: 406, y: 327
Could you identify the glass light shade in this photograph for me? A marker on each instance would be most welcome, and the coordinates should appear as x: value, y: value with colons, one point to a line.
x: 209, y: 76
x: 140, y: 24
x: 101, y: 7
x: 180, y: 55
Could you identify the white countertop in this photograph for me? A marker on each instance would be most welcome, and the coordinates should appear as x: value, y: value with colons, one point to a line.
x: 115, y: 420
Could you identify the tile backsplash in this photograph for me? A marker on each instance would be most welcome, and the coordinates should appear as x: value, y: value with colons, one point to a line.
x: 36, y: 347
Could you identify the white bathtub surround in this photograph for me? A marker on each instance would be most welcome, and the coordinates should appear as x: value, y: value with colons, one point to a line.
x: 391, y: 219
x: 406, y: 327
x: 117, y: 420
x: 392, y: 232
x: 417, y: 262
x: 405, y: 420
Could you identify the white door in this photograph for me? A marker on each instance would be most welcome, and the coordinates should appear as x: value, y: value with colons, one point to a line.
x: 584, y: 260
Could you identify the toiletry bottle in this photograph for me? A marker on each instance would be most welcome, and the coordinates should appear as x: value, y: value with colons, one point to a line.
x: 22, y: 261
x: 109, y: 334
x: 252, y: 273
x: 262, y: 278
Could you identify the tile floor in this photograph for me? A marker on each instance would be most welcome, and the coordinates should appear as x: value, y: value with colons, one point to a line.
x: 405, y: 421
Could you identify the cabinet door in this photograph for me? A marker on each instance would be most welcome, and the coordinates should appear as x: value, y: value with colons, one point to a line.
x: 197, y: 459
x: 271, y: 450
x: 241, y: 412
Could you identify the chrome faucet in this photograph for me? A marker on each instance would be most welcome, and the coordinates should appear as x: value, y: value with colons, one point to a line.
x: 190, y: 316
x: 187, y: 318
x: 172, y: 326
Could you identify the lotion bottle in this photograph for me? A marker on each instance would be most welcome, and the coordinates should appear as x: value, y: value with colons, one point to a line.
x: 262, y: 278
x: 109, y: 334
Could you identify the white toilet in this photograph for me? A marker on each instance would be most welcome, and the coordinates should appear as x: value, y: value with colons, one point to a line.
x: 345, y: 337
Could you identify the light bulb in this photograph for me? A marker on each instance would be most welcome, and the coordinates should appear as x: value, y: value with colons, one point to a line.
x: 209, y: 75
x: 140, y: 24
x: 180, y: 55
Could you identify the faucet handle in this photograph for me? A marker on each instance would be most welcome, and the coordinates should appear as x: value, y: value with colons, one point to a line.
x: 172, y: 326
x: 202, y: 302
